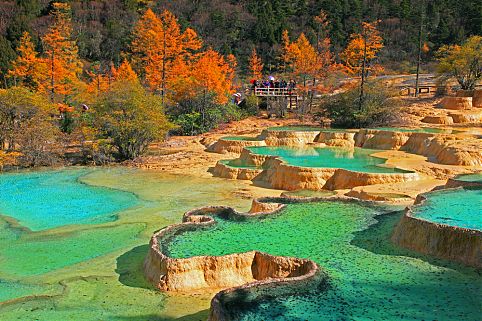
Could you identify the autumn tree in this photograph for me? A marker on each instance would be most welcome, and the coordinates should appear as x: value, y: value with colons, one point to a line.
x: 255, y: 65
x: 361, y: 52
x: 124, y: 72
x: 309, y: 64
x: 25, y: 66
x: 464, y: 62
x: 162, y: 51
x: 61, y: 67
x: 99, y: 80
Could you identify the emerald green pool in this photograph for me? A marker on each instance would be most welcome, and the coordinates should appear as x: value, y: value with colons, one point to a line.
x: 427, y: 130
x: 476, y: 177
x: 82, y: 260
x: 357, y: 159
x: 369, y: 278
x: 43, y: 200
x: 455, y: 207
x: 305, y: 129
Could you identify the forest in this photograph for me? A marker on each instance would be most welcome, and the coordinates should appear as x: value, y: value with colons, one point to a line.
x: 103, y: 29
x: 111, y: 77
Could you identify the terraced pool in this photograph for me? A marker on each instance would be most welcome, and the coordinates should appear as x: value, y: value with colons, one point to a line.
x: 476, y: 177
x: 72, y: 242
x: 357, y: 159
x: 369, y: 278
x: 305, y: 129
x: 455, y: 207
x: 48, y: 199
x: 427, y: 130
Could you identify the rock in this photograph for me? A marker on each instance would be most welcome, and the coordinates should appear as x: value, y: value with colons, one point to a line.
x: 464, y: 93
x: 456, y: 103
x: 216, y: 272
x: 477, y: 98
x: 443, y: 241
x: 439, y: 119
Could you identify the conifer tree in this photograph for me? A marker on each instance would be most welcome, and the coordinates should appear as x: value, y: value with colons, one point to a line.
x: 25, y: 66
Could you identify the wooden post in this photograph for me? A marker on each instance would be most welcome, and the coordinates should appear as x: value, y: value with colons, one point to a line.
x: 419, y: 49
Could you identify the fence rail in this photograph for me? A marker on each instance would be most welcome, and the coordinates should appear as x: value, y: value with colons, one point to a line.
x: 275, y: 92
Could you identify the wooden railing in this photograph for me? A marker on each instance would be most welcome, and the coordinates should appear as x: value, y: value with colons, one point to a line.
x: 275, y: 92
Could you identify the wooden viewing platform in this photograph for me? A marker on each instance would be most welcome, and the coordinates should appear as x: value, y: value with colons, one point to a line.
x: 274, y: 92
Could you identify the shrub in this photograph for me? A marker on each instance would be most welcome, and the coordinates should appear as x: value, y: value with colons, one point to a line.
x: 202, y: 113
x: 131, y: 118
x: 26, y: 126
x: 378, y: 107
x: 462, y: 62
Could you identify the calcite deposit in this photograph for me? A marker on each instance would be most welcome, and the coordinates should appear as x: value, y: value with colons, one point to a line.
x: 277, y: 174
x: 443, y: 241
x: 456, y: 103
x: 218, y: 272
x: 270, y: 171
x: 223, y: 146
x: 477, y: 99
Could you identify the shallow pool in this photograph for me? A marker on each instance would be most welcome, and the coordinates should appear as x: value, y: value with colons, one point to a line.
x: 369, y: 278
x: 357, y: 159
x: 85, y: 271
x: 455, y: 207
x: 476, y: 177
x: 427, y: 130
x: 305, y: 129
x: 43, y: 200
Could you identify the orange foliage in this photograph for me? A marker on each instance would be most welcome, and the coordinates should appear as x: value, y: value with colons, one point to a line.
x: 60, y: 69
x: 25, y: 66
x: 99, y: 82
x: 211, y: 73
x: 124, y: 72
x: 364, y: 45
x: 255, y: 65
x: 162, y: 51
x: 306, y: 63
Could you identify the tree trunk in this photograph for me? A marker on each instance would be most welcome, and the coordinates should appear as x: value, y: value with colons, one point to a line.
x: 419, y: 59
x: 362, y: 83
x: 163, y: 82
x: 52, y: 78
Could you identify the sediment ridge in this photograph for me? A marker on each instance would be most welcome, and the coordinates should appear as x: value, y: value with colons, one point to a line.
x: 443, y: 241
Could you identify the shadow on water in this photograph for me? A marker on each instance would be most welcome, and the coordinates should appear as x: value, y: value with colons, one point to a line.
x: 376, y: 239
x: 198, y: 316
x: 129, y: 268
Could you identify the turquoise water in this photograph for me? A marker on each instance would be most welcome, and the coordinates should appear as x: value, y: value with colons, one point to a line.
x: 44, y: 200
x: 369, y: 278
x: 358, y: 159
x: 476, y: 177
x: 305, y: 129
x: 455, y: 207
x: 236, y: 164
x: 418, y: 130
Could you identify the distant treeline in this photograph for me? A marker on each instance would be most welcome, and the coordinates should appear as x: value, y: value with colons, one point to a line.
x: 103, y: 28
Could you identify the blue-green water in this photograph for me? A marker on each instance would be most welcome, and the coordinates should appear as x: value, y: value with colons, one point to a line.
x: 44, y: 200
x: 476, y: 177
x: 357, y: 159
x: 427, y: 130
x: 455, y: 207
x: 305, y: 129
x: 369, y: 277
